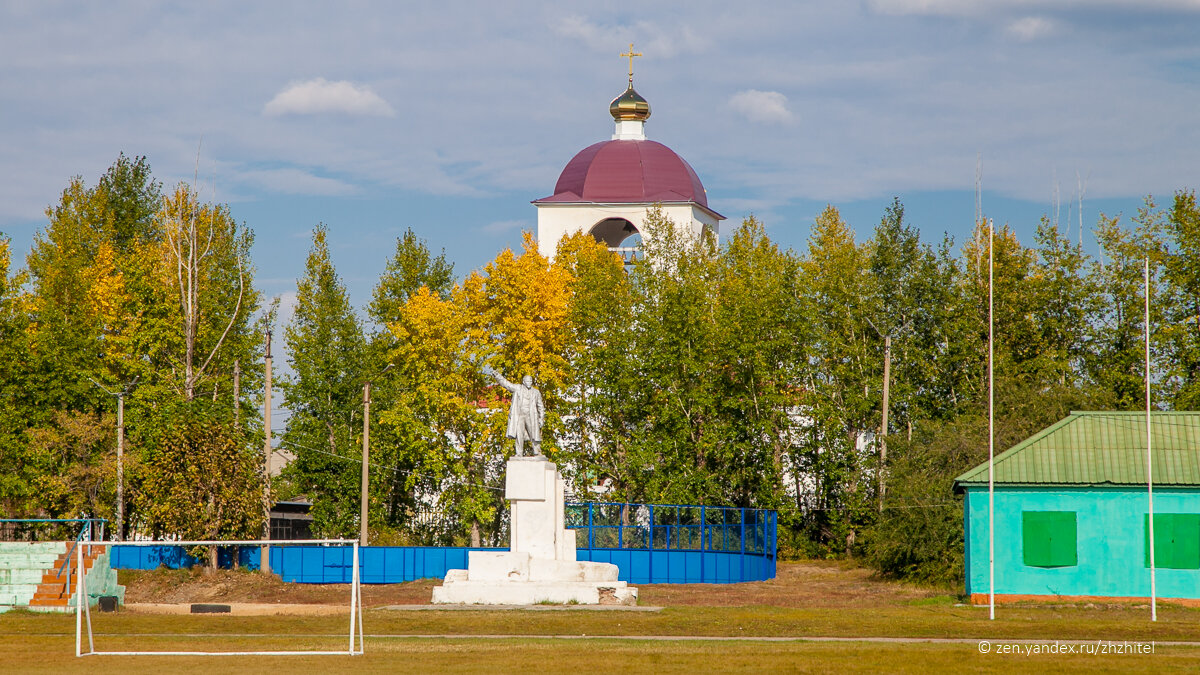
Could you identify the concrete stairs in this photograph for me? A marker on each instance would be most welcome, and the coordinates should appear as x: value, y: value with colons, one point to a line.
x: 33, y: 576
x: 22, y: 567
x: 59, y: 582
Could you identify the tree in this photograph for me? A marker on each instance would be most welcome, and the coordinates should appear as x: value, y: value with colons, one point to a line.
x: 1181, y: 328
x: 1117, y: 358
x: 16, y: 385
x: 204, y: 267
x: 831, y: 492
x: 603, y: 395
x: 74, y: 466
x: 676, y: 445
x: 762, y: 336
x: 512, y: 317
x: 79, y: 285
x: 326, y: 350
x: 410, y: 268
x: 1064, y: 298
x: 449, y: 420
x: 201, y: 481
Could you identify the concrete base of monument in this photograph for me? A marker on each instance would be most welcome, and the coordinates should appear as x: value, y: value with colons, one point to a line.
x: 516, y: 578
x: 540, y: 565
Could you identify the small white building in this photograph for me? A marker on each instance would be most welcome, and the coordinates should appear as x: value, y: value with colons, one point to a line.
x: 608, y: 188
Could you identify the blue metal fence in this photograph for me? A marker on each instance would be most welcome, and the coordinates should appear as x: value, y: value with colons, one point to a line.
x: 674, y: 544
x: 649, y: 543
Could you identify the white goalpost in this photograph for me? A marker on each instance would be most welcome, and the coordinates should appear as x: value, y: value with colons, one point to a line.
x: 83, y: 615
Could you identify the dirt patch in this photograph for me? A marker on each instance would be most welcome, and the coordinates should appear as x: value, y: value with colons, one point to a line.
x: 239, y: 609
x: 796, y: 584
x: 164, y: 586
x: 825, y: 584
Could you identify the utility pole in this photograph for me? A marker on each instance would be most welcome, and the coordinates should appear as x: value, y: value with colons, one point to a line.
x: 887, y: 383
x: 264, y: 559
x: 121, y: 467
x: 366, y: 449
x: 120, y: 510
x: 364, y: 498
x: 883, y: 426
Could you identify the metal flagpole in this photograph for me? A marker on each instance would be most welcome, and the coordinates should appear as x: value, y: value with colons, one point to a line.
x: 353, y: 594
x: 87, y: 606
x: 1150, y: 457
x: 991, y: 428
x: 78, y: 608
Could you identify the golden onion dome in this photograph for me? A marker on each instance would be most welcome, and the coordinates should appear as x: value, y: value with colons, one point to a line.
x: 629, y: 106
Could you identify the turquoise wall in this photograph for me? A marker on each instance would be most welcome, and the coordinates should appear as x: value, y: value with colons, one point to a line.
x: 1110, y: 542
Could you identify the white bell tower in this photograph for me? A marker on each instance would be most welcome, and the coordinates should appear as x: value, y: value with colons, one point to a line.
x: 609, y: 187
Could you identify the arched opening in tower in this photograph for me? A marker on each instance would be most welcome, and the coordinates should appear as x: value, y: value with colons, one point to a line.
x: 620, y: 236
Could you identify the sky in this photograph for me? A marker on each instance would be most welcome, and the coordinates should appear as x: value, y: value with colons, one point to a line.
x: 450, y: 117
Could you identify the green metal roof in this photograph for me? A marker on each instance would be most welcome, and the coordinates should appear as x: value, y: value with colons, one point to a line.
x: 1100, y: 448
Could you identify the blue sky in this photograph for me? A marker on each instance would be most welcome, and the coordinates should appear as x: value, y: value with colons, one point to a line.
x: 449, y: 117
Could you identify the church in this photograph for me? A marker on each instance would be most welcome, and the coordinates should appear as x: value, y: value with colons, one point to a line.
x: 608, y: 188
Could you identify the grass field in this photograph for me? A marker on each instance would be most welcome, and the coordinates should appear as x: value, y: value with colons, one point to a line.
x: 874, y: 626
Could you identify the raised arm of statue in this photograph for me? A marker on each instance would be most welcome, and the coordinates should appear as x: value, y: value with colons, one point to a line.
x: 503, y: 382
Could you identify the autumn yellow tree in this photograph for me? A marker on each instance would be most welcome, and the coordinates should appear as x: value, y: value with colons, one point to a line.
x: 511, y: 317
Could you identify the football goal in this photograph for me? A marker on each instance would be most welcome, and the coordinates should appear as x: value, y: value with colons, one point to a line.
x: 85, y: 639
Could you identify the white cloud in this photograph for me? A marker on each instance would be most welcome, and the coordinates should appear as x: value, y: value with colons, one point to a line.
x: 647, y: 37
x: 319, y: 96
x: 1030, y: 28
x: 769, y: 107
x: 297, y: 182
x: 502, y: 226
x: 978, y: 7
x: 287, y: 307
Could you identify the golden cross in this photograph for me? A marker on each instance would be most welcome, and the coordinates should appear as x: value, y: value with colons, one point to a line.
x: 631, y: 54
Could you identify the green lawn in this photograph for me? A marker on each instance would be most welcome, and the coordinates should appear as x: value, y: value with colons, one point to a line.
x: 45, y: 642
x: 46, y: 654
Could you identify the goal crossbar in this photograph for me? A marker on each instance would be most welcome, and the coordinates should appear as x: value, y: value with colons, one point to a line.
x: 83, y: 607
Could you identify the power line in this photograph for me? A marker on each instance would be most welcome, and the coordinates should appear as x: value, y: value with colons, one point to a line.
x: 380, y: 466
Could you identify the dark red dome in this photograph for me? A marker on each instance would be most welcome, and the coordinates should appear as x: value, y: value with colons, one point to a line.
x: 628, y: 172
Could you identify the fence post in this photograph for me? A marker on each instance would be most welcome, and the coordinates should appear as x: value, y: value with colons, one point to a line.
x: 774, y: 543
x: 650, y: 545
x: 621, y: 526
x: 703, y: 546
x: 591, y: 539
x: 742, y: 560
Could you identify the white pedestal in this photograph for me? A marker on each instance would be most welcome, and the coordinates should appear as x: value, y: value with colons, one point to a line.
x: 540, y: 564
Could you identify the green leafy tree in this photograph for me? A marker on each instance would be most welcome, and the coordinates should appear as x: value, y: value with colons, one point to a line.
x: 1065, y: 298
x: 74, y: 466
x: 1117, y: 358
x: 832, y: 487
x: 677, y: 450
x: 411, y: 267
x: 1181, y: 327
x: 15, y: 385
x: 762, y: 337
x: 201, y: 481
x: 603, y: 396
x: 326, y: 350
x: 80, y: 266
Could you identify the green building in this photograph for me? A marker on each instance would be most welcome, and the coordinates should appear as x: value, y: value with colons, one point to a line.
x: 1072, y: 511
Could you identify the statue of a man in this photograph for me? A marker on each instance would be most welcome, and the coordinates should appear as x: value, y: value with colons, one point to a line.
x: 526, y: 415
